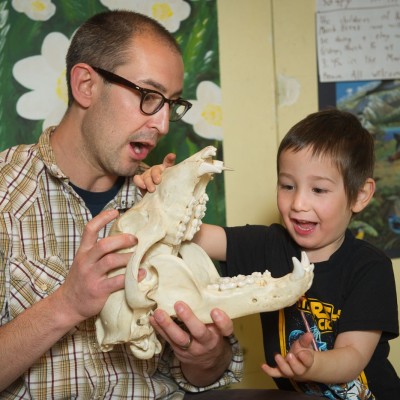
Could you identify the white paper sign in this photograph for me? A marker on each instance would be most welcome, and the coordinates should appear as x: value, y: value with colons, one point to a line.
x: 336, y: 5
x: 359, y: 44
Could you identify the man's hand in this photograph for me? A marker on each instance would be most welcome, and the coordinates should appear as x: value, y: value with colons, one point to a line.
x: 152, y: 176
x: 202, y: 349
x: 87, y: 286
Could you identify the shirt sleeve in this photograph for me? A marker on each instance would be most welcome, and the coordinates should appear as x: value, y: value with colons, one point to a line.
x: 5, y: 223
x: 233, y: 374
x: 371, y: 300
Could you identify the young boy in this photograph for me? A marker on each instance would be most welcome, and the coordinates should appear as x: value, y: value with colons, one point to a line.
x: 334, y: 341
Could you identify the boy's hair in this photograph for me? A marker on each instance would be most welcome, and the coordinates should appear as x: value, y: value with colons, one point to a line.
x: 106, y: 40
x: 340, y: 136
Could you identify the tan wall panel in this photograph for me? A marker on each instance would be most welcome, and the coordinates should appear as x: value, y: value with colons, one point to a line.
x: 269, y: 82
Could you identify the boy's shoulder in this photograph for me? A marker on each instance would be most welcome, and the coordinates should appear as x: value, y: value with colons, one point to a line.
x: 364, y: 251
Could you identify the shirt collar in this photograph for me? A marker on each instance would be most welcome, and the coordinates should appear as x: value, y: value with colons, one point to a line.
x: 127, y: 196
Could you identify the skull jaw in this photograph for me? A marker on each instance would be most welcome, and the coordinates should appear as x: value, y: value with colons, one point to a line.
x: 162, y: 220
x: 193, y: 285
x: 192, y: 279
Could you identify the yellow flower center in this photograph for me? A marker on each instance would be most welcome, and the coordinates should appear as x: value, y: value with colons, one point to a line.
x: 61, y: 87
x: 38, y: 5
x: 212, y: 113
x: 162, y: 11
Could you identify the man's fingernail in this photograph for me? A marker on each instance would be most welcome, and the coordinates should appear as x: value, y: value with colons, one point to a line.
x: 216, y: 315
x: 179, y: 308
x: 158, y: 316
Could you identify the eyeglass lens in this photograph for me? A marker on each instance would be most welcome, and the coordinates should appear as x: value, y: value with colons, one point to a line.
x: 153, y: 102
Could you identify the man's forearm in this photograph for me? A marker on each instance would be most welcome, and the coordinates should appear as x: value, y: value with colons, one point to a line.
x: 26, y: 338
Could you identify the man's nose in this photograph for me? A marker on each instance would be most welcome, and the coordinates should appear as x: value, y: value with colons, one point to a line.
x: 160, y: 120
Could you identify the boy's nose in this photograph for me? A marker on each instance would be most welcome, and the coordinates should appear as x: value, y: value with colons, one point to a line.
x: 299, y: 202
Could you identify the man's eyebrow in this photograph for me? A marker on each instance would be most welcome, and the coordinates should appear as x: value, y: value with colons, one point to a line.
x: 157, y: 86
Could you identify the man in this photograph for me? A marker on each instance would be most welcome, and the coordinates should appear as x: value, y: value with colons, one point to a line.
x: 125, y: 76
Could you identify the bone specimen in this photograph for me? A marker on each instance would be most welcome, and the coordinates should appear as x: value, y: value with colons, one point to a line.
x: 165, y: 222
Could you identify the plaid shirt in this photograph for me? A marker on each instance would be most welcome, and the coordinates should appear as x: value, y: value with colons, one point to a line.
x: 41, y: 223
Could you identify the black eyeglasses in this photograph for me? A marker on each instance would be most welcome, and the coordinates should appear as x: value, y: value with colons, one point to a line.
x: 151, y: 101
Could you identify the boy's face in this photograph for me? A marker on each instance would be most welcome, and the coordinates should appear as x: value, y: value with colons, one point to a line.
x: 312, y: 202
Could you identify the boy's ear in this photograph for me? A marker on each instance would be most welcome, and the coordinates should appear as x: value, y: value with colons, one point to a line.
x: 82, y: 84
x: 364, y: 196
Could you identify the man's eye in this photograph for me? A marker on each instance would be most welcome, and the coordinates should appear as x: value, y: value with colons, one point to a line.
x: 152, y: 98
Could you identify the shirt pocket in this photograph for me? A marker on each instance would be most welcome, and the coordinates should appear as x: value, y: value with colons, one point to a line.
x: 31, y: 280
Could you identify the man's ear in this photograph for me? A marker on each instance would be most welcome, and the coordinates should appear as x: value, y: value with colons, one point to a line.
x: 82, y: 83
x: 364, y: 196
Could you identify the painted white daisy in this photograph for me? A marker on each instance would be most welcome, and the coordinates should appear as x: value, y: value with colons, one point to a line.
x: 288, y: 90
x: 45, y: 76
x: 206, y: 113
x: 169, y: 13
x: 38, y: 10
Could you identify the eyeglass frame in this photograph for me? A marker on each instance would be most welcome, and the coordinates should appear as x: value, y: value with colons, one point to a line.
x: 117, y: 79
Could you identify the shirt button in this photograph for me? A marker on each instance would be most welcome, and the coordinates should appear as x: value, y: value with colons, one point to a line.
x: 44, y: 287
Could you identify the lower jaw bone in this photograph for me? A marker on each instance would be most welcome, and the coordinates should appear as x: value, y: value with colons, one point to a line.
x: 192, y: 277
x: 202, y: 289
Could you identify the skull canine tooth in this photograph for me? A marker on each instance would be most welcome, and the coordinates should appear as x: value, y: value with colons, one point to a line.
x: 207, y: 168
x: 180, y: 270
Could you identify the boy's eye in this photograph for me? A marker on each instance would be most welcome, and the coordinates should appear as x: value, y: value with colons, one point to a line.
x: 319, y: 191
x: 286, y: 187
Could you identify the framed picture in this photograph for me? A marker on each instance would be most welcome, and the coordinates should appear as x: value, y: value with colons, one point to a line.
x: 377, y: 104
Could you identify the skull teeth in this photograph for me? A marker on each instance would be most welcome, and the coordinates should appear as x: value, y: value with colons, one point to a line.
x: 227, y: 283
x: 191, y: 221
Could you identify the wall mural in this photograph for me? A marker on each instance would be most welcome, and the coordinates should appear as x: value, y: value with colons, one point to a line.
x: 376, y: 103
x: 34, y: 38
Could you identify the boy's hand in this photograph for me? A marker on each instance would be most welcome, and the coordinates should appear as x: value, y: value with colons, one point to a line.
x: 152, y: 176
x: 297, y: 362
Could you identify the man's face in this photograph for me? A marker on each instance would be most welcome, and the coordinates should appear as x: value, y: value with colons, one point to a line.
x: 117, y: 135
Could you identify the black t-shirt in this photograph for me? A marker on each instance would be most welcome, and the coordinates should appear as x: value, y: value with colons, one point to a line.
x: 354, y: 290
x: 96, y: 201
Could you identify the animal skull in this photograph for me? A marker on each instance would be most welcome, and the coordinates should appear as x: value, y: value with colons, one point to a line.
x: 165, y: 222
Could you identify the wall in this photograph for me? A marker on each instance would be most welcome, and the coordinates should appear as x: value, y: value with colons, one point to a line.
x: 269, y: 82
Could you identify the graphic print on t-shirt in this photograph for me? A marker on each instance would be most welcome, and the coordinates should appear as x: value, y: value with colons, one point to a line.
x: 319, y: 318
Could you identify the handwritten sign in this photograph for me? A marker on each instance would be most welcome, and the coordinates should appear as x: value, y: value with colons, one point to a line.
x: 335, y: 5
x: 358, y: 44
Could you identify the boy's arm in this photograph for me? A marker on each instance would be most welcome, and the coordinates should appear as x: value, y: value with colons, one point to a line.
x: 344, y: 363
x: 212, y: 239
